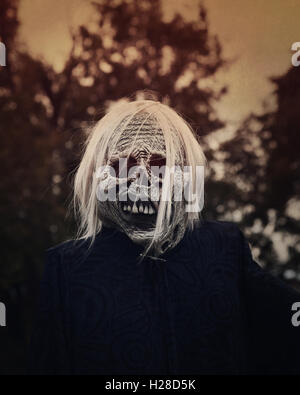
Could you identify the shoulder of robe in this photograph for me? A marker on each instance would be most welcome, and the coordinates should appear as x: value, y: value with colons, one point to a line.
x: 224, y: 229
x: 68, y: 249
x: 212, y: 239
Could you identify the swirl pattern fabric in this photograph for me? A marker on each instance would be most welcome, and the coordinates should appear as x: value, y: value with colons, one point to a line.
x: 208, y: 308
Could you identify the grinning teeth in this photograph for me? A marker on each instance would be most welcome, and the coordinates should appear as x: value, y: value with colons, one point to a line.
x: 138, y: 208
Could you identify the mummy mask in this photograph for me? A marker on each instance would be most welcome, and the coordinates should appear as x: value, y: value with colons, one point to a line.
x: 140, y: 142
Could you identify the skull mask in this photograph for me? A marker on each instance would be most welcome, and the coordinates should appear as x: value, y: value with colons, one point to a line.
x: 141, y: 141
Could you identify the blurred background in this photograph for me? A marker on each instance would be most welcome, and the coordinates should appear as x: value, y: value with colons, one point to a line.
x: 225, y: 65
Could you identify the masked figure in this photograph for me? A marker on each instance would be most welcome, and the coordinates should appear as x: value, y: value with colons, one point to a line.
x: 148, y: 287
x: 141, y: 145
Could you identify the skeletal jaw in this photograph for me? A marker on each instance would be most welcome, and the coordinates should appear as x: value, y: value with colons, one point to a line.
x: 139, y: 207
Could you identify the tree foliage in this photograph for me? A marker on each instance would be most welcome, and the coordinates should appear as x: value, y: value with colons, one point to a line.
x: 263, y: 161
x: 129, y: 48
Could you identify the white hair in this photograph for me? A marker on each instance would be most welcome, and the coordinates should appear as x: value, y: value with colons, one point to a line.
x: 177, y: 133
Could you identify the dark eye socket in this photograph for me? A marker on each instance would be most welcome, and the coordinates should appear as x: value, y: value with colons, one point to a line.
x: 131, y: 161
x: 115, y: 165
x: 157, y: 160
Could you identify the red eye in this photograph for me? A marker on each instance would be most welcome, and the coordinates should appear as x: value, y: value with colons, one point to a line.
x: 157, y: 160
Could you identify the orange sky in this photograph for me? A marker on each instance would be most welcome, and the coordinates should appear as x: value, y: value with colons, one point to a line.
x: 257, y: 34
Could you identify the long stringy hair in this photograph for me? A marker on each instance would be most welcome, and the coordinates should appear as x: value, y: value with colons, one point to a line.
x: 176, y: 131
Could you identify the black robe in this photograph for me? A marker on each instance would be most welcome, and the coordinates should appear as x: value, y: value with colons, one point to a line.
x: 206, y: 308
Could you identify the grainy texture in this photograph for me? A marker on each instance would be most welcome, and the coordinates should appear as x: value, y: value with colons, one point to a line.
x: 208, y: 309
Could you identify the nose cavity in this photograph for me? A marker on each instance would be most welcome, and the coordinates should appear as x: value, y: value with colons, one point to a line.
x: 139, y: 185
x: 138, y: 191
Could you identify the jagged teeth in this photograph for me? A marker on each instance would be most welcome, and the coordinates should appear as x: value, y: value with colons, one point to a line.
x: 138, y: 208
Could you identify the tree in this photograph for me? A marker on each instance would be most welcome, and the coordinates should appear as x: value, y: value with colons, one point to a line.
x: 42, y: 114
x: 263, y: 161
